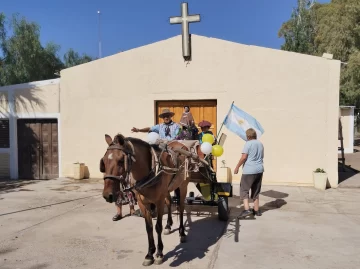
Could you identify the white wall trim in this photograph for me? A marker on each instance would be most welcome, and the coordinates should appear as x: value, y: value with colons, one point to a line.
x: 38, y: 115
x: 30, y: 85
x: 31, y: 115
x: 347, y: 107
x: 4, y: 116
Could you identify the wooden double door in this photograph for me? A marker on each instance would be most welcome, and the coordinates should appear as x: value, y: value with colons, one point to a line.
x: 200, y: 109
x: 38, y: 156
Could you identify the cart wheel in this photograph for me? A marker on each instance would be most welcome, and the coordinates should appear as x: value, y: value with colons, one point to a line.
x: 223, y: 208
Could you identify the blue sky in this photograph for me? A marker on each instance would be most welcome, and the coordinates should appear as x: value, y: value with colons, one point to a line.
x: 133, y: 23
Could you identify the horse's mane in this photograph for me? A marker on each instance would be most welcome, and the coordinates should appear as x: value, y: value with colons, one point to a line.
x: 138, y: 141
x: 135, y: 141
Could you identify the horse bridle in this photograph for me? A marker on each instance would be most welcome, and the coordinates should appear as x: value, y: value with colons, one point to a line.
x: 128, y: 160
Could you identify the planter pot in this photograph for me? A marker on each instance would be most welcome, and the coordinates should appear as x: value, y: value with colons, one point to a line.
x: 224, y: 175
x: 78, y: 170
x: 320, y: 180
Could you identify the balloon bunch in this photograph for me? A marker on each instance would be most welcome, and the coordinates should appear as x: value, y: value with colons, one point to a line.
x: 207, y: 147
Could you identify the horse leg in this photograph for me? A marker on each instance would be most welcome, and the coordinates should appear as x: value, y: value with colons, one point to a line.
x: 169, y: 220
x: 160, y: 211
x: 177, y: 194
x: 149, y: 259
x: 183, y: 191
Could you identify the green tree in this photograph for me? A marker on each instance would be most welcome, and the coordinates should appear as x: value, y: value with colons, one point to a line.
x: 22, y: 56
x: 299, y: 31
x: 72, y: 58
x: 335, y: 29
x: 24, y: 59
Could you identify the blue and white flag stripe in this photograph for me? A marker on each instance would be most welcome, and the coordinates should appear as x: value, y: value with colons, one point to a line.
x: 238, y: 121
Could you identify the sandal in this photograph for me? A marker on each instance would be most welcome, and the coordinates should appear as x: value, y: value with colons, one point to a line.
x: 117, y: 217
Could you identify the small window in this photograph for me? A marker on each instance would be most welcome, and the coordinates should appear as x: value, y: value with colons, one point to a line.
x: 4, y: 133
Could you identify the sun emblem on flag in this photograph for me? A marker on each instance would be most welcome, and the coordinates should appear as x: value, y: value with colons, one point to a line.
x: 240, y: 122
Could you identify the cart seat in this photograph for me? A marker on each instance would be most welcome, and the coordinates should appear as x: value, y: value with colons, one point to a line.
x: 189, y: 143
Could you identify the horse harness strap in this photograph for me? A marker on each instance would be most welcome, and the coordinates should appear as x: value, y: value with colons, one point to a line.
x: 154, y: 175
x: 128, y: 160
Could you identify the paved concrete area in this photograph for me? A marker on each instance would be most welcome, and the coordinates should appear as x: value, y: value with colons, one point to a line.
x: 307, y: 229
x: 67, y: 224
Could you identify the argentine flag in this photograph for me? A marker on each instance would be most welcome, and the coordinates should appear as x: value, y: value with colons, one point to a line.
x: 239, y: 121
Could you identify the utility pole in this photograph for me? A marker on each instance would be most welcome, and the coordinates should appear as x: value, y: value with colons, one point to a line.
x: 99, y: 29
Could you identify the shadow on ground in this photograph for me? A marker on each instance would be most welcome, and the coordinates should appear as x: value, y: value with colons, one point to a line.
x: 8, y: 185
x: 233, y: 227
x: 201, y: 235
x: 206, y: 232
x: 357, y: 142
x: 345, y: 172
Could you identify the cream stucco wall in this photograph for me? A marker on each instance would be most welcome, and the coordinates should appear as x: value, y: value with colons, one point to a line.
x: 32, y: 98
x: 41, y: 99
x: 295, y: 97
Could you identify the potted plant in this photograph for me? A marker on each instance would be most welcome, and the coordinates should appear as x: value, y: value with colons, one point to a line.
x: 320, y: 179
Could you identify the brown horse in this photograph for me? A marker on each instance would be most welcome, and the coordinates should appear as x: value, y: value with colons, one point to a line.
x: 132, y: 159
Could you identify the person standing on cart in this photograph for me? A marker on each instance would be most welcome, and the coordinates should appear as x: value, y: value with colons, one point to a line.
x: 189, y: 131
x: 253, y: 169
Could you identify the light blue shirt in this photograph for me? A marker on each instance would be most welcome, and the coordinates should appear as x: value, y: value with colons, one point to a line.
x: 161, y: 128
x: 254, y: 163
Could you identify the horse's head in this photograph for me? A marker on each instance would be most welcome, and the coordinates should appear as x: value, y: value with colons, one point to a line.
x: 114, y: 166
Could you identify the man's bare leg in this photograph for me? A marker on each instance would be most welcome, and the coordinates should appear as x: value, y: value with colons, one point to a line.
x: 132, y: 209
x: 118, y: 215
x: 246, y: 211
x: 256, y: 204
x: 118, y: 209
x: 256, y: 210
x: 246, y: 204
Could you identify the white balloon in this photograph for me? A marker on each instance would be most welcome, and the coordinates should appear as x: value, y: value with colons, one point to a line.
x: 152, y: 137
x: 206, y: 148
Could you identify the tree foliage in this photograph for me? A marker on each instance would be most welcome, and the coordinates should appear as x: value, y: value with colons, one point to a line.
x: 72, y: 58
x: 298, y: 32
x: 22, y: 56
x: 329, y: 28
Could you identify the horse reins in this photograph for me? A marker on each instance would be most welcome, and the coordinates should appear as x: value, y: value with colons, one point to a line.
x: 154, y: 173
x: 128, y: 160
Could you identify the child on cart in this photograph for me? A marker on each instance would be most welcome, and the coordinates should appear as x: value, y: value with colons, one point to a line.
x: 205, y: 129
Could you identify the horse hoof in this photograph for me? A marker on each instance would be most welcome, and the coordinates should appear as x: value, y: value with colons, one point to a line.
x: 167, y: 231
x: 182, y: 239
x: 159, y: 260
x: 148, y: 262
